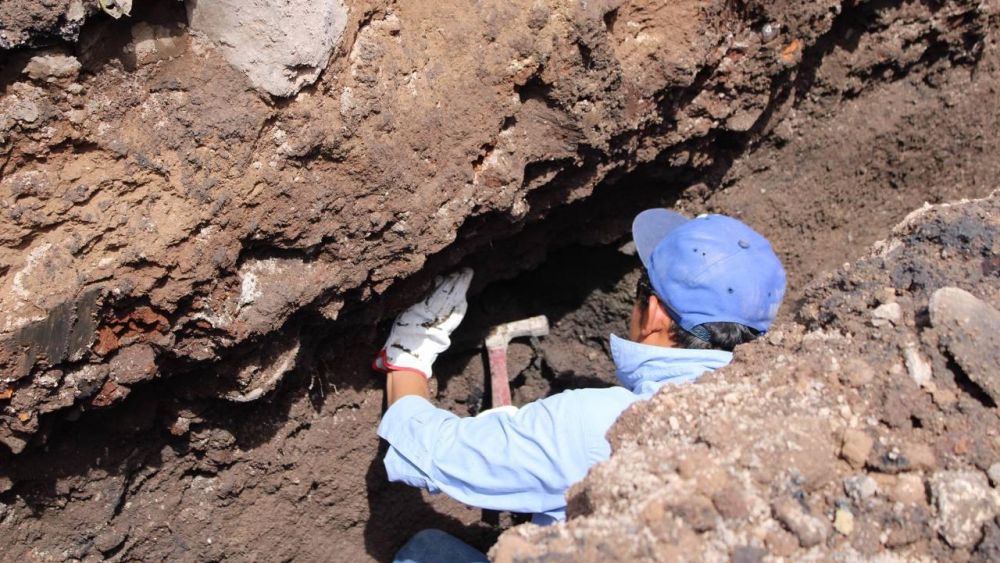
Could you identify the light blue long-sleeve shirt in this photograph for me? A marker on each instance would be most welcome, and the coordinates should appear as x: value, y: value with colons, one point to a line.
x: 525, y: 462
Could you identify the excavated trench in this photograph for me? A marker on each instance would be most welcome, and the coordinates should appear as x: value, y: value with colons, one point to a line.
x: 874, y: 112
x: 174, y: 472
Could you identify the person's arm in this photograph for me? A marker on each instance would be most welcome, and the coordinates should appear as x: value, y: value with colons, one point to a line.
x: 399, y: 384
x: 522, y: 462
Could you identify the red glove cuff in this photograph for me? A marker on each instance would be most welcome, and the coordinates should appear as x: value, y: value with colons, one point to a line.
x: 388, y: 366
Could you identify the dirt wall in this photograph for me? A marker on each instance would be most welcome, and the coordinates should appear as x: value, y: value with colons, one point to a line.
x: 162, y: 213
x: 175, y: 239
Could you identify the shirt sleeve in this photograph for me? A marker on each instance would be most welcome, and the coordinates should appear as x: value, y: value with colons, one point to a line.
x: 522, y: 462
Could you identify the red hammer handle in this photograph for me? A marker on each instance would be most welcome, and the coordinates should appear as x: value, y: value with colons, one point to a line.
x: 499, y: 385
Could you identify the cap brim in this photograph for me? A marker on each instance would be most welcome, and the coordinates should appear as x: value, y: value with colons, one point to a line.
x: 650, y: 227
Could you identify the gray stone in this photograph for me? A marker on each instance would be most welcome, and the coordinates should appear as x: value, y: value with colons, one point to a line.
x: 809, y: 529
x: 281, y: 46
x: 75, y: 11
x: 965, y: 502
x: 860, y: 487
x: 989, y: 548
x: 748, y: 554
x: 970, y: 329
x: 25, y: 111
x: 109, y: 540
x: 52, y: 68
x: 151, y: 43
x: 994, y: 473
x: 916, y: 365
x: 134, y: 364
x: 887, y: 313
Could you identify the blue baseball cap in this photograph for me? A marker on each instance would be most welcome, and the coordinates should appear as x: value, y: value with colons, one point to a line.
x: 709, y: 269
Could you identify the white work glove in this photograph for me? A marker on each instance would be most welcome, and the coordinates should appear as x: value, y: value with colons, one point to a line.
x: 423, y: 331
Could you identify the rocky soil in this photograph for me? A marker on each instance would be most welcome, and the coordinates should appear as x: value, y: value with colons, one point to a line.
x: 866, y: 427
x: 195, y: 255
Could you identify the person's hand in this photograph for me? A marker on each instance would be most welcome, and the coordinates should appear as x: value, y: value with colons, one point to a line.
x: 423, y: 331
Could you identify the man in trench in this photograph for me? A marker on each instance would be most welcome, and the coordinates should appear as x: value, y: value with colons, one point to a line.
x: 709, y: 284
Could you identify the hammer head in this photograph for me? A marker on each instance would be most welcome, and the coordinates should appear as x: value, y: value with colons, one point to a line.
x: 501, y: 335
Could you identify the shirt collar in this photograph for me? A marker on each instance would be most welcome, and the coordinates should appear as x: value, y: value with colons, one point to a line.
x: 644, y: 369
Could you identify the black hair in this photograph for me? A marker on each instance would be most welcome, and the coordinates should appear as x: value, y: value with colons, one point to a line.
x: 720, y: 335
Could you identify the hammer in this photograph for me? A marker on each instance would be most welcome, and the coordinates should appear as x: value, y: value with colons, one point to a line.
x: 496, y: 348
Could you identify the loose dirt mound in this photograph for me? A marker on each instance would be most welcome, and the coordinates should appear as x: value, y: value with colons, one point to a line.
x: 869, y: 426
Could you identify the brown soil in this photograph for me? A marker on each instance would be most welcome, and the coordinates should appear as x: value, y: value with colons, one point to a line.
x: 37, y: 23
x: 822, y: 138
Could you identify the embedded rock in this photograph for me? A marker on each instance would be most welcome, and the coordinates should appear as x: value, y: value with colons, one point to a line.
x: 281, y: 46
x: 965, y: 502
x: 52, y: 68
x: 151, y: 43
x: 856, y: 447
x: 810, y: 530
x: 29, y: 22
x: 970, y: 329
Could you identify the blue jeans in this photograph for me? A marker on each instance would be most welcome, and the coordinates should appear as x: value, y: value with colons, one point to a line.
x: 435, y: 546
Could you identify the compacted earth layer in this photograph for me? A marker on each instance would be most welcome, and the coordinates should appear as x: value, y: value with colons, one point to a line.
x: 198, y: 259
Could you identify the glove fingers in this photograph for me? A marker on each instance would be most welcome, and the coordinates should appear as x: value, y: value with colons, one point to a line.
x: 423, y: 331
x: 438, y: 282
x: 448, y: 292
x: 449, y: 311
x: 433, y: 300
x: 463, y: 277
x: 452, y: 321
